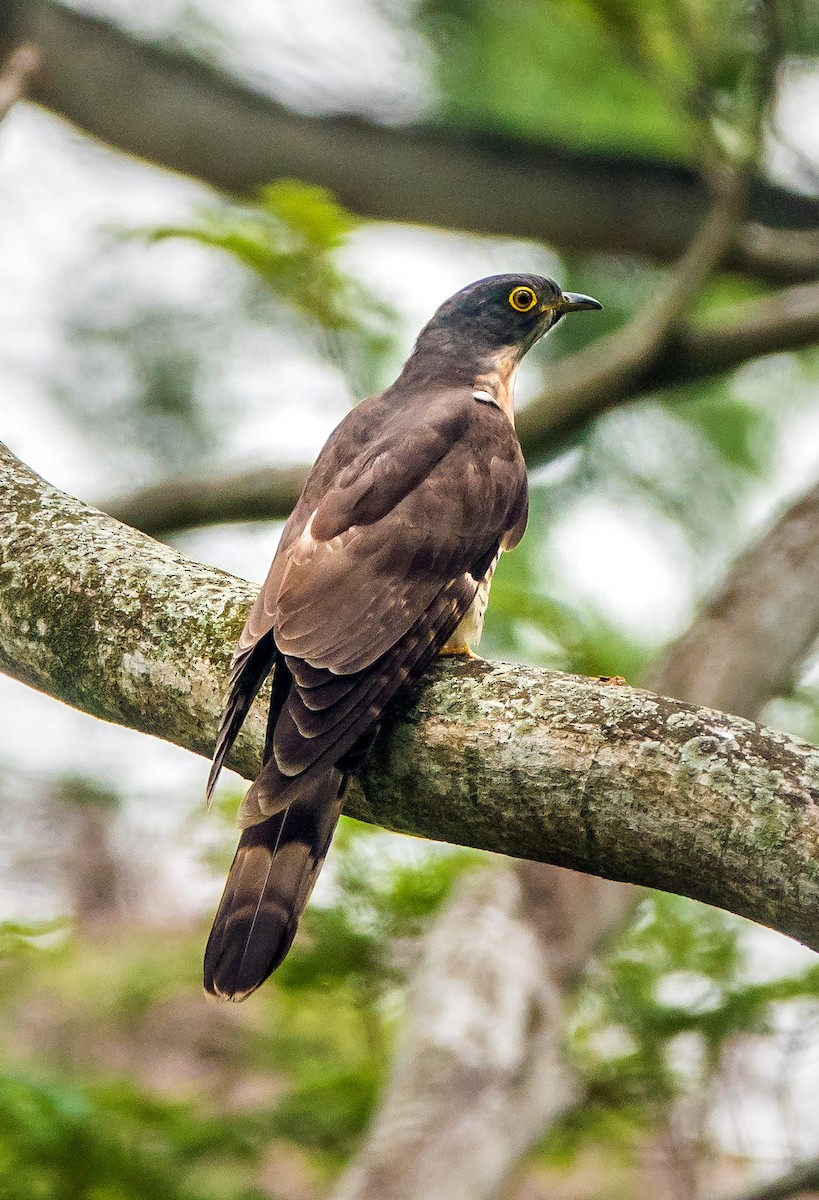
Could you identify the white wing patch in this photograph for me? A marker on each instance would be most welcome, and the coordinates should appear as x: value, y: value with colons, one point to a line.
x: 484, y: 397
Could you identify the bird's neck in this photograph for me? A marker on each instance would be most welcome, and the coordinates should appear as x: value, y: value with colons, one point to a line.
x: 440, y: 362
x: 498, y: 380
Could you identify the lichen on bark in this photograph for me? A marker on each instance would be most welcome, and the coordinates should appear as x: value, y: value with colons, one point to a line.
x: 601, y: 777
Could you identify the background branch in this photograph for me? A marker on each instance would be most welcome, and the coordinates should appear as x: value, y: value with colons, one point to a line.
x: 612, y: 368
x: 758, y: 627
x: 15, y: 75
x: 479, y: 1070
x: 786, y: 320
x: 803, y: 1180
x: 266, y: 493
x: 189, y: 117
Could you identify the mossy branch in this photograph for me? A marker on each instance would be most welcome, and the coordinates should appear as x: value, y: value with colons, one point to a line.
x: 604, y: 778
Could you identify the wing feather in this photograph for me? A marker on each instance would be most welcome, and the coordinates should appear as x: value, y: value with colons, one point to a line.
x: 406, y: 508
x: 333, y: 733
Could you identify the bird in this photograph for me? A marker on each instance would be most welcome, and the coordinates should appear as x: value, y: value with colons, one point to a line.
x: 385, y: 562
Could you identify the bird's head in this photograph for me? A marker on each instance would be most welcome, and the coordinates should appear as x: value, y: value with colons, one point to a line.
x: 502, y: 314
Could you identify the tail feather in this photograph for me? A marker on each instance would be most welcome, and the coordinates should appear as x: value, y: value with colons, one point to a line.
x: 276, y: 864
x: 247, y: 675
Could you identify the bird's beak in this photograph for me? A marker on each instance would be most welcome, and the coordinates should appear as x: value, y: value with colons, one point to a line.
x: 575, y: 302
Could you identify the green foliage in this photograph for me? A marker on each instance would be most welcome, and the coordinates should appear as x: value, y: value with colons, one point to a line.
x: 289, y: 237
x: 659, y: 76
x: 134, y: 369
x: 152, y: 376
x: 62, y: 1141
x: 22, y: 939
x: 83, y: 791
x: 550, y: 70
x: 316, y: 1040
x: 383, y: 891
x: 656, y: 1016
x: 529, y: 620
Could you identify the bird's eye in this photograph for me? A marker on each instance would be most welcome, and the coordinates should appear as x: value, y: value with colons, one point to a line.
x: 522, y: 299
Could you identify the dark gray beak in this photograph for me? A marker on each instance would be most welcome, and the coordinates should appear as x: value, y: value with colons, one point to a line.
x: 575, y: 302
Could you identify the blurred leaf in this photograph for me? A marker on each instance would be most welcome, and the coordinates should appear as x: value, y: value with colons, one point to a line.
x: 20, y: 938
x: 289, y: 238
x: 59, y: 1141
x: 328, y: 1108
x: 82, y: 791
x: 735, y: 430
x: 505, y: 67
x: 669, y: 77
x: 680, y: 970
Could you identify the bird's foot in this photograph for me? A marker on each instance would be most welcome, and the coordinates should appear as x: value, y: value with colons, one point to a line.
x: 462, y: 650
x: 618, y: 680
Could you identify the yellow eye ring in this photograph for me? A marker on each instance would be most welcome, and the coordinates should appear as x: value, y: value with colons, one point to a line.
x: 522, y: 299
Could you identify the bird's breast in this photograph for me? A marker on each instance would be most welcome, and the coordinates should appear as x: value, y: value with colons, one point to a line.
x: 470, y: 629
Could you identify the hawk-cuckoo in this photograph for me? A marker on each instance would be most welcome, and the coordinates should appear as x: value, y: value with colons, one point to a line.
x: 385, y: 562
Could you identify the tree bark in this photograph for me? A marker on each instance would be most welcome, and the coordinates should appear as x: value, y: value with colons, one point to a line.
x: 479, y: 1068
x: 603, y: 778
x: 757, y: 628
x: 190, y: 117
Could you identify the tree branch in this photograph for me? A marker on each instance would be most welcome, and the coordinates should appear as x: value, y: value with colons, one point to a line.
x: 606, y: 779
x: 189, y: 117
x: 803, y: 1180
x: 479, y: 1068
x: 614, y: 367
x: 266, y: 493
x: 15, y: 75
x: 758, y: 627
x: 787, y: 320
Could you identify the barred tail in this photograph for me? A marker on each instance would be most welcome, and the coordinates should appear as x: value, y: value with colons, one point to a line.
x: 273, y: 872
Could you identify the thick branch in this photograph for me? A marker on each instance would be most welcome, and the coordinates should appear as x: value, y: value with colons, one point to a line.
x: 479, y: 1070
x: 187, y: 116
x: 606, y: 779
x: 788, y: 320
x: 758, y: 627
x: 803, y: 1180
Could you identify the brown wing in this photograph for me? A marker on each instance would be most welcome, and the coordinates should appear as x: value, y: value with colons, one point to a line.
x: 403, y: 514
x: 404, y: 511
